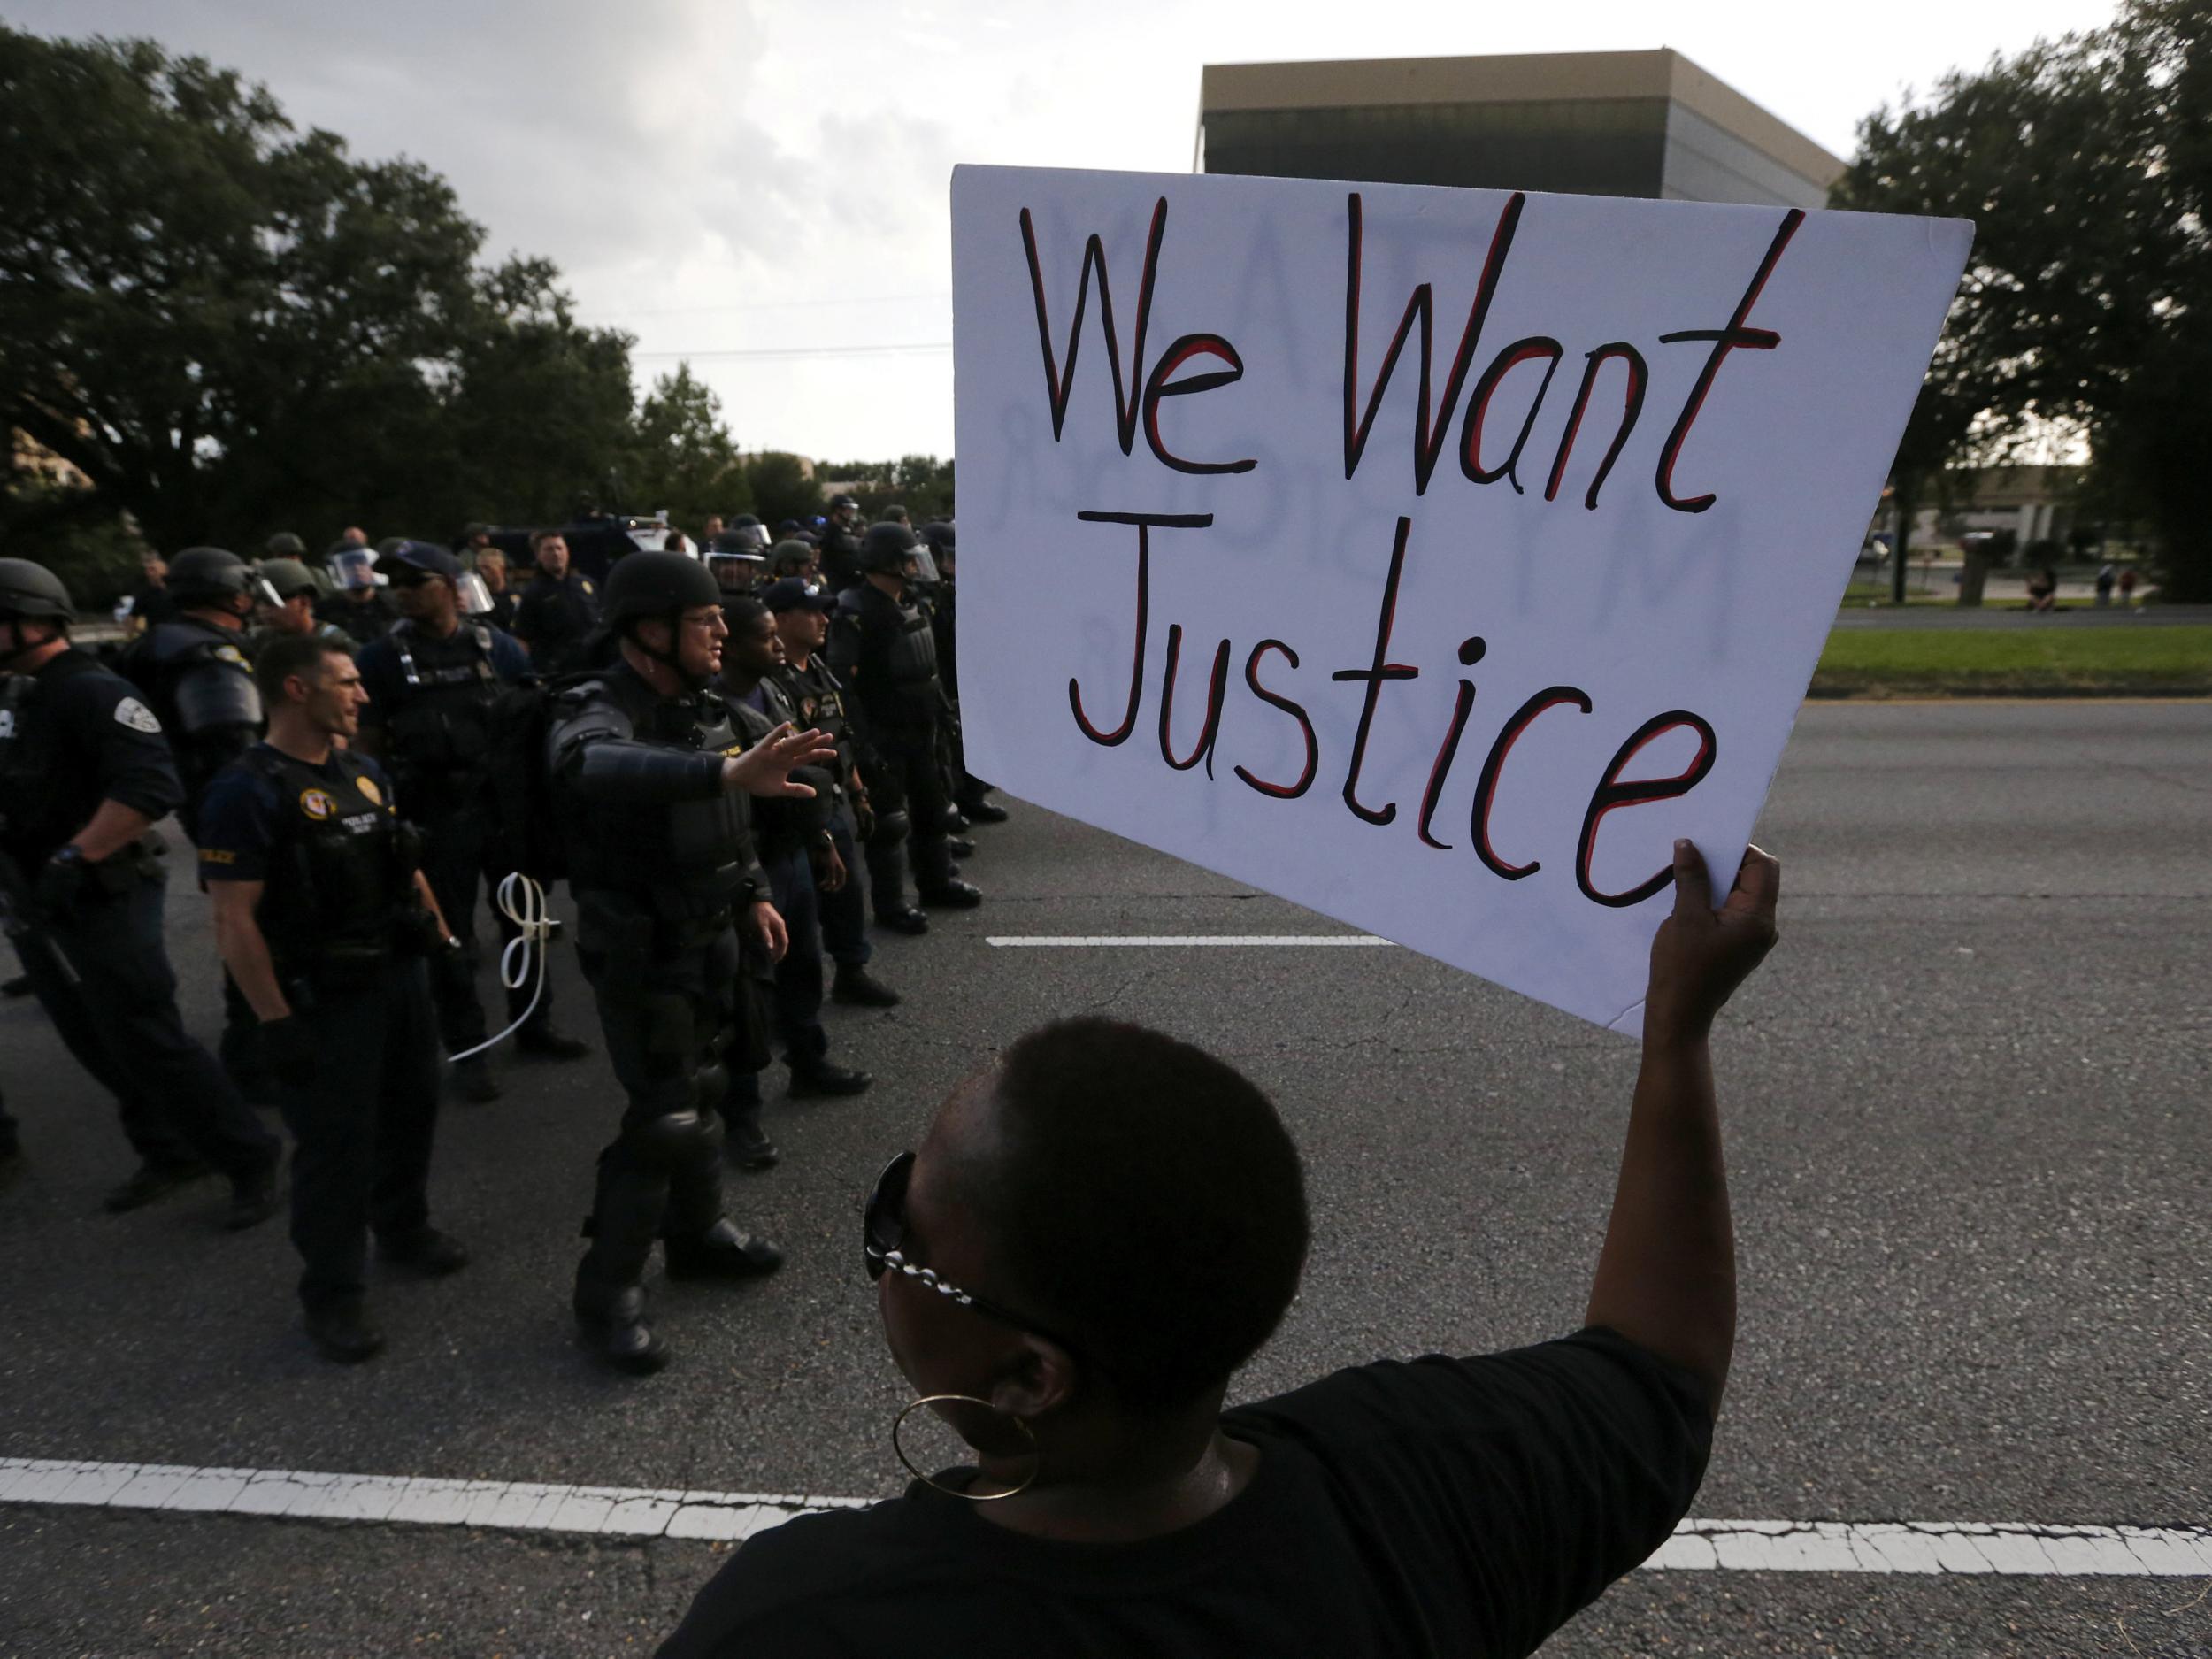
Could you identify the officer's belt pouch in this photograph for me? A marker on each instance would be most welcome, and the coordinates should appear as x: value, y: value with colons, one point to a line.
x: 616, y: 928
x: 698, y: 905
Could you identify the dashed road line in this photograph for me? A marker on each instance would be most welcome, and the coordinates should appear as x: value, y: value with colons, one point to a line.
x: 1859, y: 1547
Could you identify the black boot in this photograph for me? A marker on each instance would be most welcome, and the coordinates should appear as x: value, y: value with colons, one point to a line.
x: 426, y: 1251
x: 941, y: 886
x: 609, y: 1299
x: 819, y: 1079
x: 341, y: 1332
x: 151, y: 1182
x: 253, y: 1195
x: 855, y: 985
x: 723, y: 1251
x: 614, y: 1328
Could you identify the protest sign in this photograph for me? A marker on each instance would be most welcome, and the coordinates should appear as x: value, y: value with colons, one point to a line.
x: 1431, y: 557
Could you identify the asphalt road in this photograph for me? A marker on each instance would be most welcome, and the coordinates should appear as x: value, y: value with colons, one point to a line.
x: 2072, y: 613
x: 1969, y: 1149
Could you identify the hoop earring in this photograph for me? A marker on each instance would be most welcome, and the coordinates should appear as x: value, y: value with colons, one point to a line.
x: 1035, y: 1454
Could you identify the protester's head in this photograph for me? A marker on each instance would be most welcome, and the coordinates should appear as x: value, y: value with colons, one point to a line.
x: 752, y: 650
x: 491, y: 564
x: 308, y: 684
x: 426, y: 581
x: 353, y: 535
x: 35, y: 608
x: 667, y: 610
x: 1132, y: 1211
x: 285, y: 597
x: 153, y: 567
x: 550, y: 548
x: 711, y: 528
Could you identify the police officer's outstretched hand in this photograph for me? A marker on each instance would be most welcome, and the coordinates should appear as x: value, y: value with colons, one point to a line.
x: 765, y: 769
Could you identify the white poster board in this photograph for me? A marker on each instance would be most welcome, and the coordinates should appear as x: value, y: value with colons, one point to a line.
x: 1448, y: 638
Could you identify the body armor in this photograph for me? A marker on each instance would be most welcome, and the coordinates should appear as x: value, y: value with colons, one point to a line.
x: 339, y: 901
x: 439, y: 733
x: 196, y: 675
x: 888, y: 642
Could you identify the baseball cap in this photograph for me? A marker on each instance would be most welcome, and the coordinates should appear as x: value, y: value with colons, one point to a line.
x: 790, y: 593
x: 426, y: 557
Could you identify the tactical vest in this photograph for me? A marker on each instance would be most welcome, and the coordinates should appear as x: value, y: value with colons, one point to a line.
x: 439, y: 730
x: 196, y: 675
x: 339, y: 901
x: 684, y: 861
x: 817, y: 701
x: 37, y: 800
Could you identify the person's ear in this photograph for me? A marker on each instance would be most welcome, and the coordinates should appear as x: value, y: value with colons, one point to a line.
x: 1036, y: 1376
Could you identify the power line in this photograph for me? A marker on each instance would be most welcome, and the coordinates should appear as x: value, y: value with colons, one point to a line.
x: 906, y: 349
x: 776, y: 305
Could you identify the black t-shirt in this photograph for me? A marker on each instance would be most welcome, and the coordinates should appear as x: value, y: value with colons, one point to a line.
x: 1450, y: 1506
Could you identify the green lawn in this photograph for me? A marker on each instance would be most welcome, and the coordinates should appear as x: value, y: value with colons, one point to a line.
x: 2100, y: 659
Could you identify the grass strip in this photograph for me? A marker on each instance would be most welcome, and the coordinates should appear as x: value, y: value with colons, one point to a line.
x: 2117, y: 660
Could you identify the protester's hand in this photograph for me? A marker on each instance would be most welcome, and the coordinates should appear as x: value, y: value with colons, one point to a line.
x: 1699, y: 955
x: 290, y: 1048
x: 768, y: 928
x: 765, y: 769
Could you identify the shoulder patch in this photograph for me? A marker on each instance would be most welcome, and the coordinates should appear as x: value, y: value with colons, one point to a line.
x: 230, y: 654
x: 588, y: 587
x: 131, y: 712
x: 317, y: 804
x: 367, y: 785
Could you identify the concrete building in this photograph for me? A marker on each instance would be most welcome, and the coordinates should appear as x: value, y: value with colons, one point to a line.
x: 1649, y: 124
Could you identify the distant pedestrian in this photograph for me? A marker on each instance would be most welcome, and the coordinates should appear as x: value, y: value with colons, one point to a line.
x: 2127, y: 586
x: 2043, y: 590
x: 2106, y: 576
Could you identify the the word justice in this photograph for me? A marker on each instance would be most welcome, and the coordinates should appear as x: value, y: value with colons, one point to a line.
x: 1610, y: 792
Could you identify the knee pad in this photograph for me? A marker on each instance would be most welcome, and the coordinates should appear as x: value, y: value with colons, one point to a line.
x: 890, y: 827
x: 675, y: 1137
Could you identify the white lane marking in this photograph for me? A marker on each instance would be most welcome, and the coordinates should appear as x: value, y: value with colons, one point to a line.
x: 1178, y: 941
x: 1872, y: 1546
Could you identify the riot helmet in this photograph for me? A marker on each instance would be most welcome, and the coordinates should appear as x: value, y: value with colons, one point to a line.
x: 285, y: 545
x: 208, y: 576
x: 886, y: 548
x: 656, y: 585
x: 284, y: 578
x: 29, y: 590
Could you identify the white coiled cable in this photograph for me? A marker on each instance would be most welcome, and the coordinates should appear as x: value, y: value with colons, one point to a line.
x: 522, y: 902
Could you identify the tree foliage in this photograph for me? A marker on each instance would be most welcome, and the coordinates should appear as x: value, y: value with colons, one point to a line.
x: 782, y: 487
x: 920, y: 483
x: 684, y: 459
x: 231, y: 326
x: 2087, y: 164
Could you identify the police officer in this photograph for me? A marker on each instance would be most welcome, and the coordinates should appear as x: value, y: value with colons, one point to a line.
x: 558, y: 611
x: 285, y: 597
x: 193, y: 668
x: 841, y: 543
x: 84, y: 775
x: 816, y: 698
x: 323, y: 920
x: 431, y: 682
x: 645, y: 764
x: 881, y: 646
x: 358, y: 605
x: 969, y: 793
x: 789, y: 836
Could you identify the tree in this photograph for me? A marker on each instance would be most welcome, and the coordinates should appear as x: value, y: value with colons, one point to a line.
x: 782, y: 487
x: 2087, y: 164
x: 230, y: 326
x: 920, y: 483
x: 685, y: 460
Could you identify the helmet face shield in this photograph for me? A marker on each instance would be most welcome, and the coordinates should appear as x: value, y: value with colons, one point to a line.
x: 476, y: 599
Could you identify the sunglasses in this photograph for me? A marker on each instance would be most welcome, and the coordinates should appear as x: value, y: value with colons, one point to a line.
x: 884, y: 1249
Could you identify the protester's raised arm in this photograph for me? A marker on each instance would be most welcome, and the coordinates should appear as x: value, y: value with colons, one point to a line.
x: 1666, y: 1278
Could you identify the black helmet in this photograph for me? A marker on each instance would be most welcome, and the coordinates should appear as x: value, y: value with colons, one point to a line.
x: 207, y: 575
x: 286, y: 577
x: 32, y: 590
x: 886, y: 547
x: 285, y: 545
x: 648, y: 584
x: 938, y: 535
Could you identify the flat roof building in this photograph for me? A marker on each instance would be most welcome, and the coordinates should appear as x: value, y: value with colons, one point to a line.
x: 1649, y: 124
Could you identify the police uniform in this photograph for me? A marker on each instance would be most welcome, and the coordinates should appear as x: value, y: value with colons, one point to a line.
x: 661, y: 863
x: 430, y: 703
x: 554, y: 618
x: 817, y: 699
x: 198, y: 678
x: 361, y: 620
x: 74, y: 734
x: 884, y: 649
x: 347, y: 938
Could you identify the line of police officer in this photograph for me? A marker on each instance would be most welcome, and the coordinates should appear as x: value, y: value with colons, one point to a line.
x: 323, y: 920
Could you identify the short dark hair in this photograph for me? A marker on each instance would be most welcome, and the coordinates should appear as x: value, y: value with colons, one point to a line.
x: 539, y: 538
x: 290, y: 654
x: 1143, y: 1196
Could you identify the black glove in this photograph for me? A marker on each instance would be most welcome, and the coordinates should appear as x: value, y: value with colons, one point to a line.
x: 290, y: 1049
x: 64, y: 883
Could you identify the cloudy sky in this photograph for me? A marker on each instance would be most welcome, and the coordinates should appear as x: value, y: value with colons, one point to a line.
x: 760, y: 184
